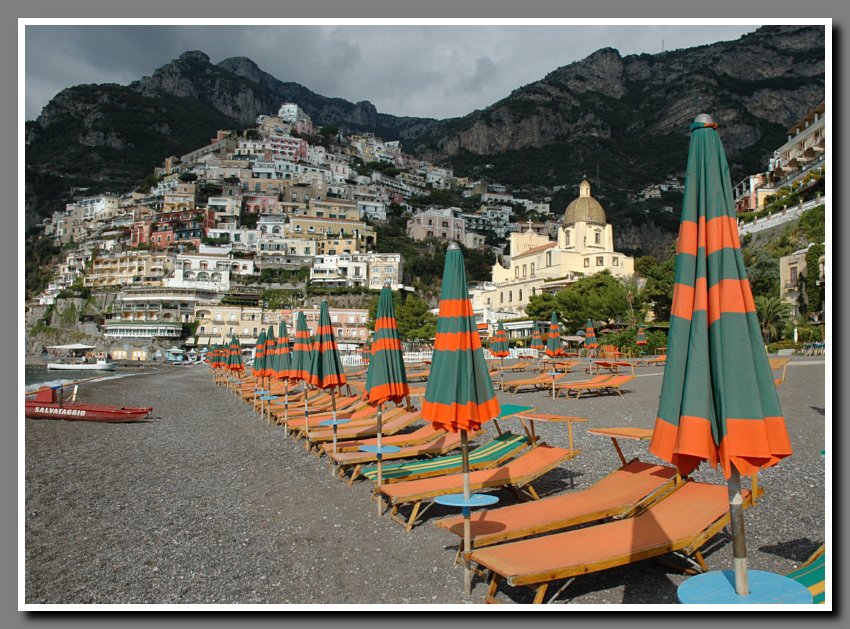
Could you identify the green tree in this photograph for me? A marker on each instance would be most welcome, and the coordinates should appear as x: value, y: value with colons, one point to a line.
x: 415, y: 320
x: 658, y: 290
x: 773, y: 313
x: 762, y: 271
x: 600, y: 296
x: 188, y: 177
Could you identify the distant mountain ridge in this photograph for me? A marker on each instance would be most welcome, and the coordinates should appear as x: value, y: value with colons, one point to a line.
x: 624, y: 117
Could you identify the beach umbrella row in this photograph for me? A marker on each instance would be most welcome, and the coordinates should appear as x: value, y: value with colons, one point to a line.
x: 499, y: 347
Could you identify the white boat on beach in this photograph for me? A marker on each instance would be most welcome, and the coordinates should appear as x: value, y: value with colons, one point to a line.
x: 76, y: 360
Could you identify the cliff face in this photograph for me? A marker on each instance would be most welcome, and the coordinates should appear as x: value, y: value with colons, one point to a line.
x: 770, y: 77
x: 624, y: 117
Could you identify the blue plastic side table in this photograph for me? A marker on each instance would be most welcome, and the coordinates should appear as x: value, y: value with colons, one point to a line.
x: 766, y: 588
x: 334, y: 422
x: 380, y: 451
x: 475, y: 500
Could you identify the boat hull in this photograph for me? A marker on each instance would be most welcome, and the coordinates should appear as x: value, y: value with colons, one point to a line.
x: 78, y: 411
x: 101, y: 366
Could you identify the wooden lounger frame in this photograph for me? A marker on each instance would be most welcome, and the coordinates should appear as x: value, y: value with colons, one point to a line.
x: 612, y: 385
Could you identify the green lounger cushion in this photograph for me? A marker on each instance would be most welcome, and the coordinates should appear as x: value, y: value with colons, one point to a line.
x: 502, y: 446
x: 812, y: 576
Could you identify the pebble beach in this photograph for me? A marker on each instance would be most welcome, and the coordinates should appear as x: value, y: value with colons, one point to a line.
x: 205, y: 503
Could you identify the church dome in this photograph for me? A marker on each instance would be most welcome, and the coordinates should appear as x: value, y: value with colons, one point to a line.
x: 585, y: 208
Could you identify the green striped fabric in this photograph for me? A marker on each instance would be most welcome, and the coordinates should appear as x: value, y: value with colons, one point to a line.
x: 813, y: 577
x: 258, y: 366
x: 718, y: 400
x: 499, y: 346
x: 326, y: 371
x: 386, y: 379
x: 270, y: 349
x: 553, y: 338
x: 283, y: 362
x: 300, y: 360
x: 501, y: 447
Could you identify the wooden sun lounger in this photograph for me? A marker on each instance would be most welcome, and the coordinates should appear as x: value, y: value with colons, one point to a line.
x: 522, y: 366
x: 682, y: 522
x: 536, y: 383
x: 622, y: 493
x: 322, y: 435
x: 354, y: 461
x: 419, y: 436
x: 611, y: 385
x: 812, y: 574
x: 559, y: 365
x: 516, y: 475
x: 486, y: 456
x: 418, y: 376
x: 779, y: 363
x: 363, y: 417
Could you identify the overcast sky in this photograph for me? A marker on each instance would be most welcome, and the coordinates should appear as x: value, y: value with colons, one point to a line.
x: 430, y: 71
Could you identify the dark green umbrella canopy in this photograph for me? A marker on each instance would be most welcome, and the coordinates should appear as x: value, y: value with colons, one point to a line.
x: 386, y: 379
x: 537, y: 340
x: 326, y: 369
x: 234, y: 361
x: 718, y: 400
x: 499, y: 345
x: 641, y: 337
x: 283, y: 364
x: 590, y: 341
x: 553, y: 339
x: 271, y: 346
x: 259, y: 365
x: 300, y: 369
x: 460, y: 394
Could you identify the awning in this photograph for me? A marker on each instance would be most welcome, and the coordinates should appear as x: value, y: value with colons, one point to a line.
x: 71, y: 346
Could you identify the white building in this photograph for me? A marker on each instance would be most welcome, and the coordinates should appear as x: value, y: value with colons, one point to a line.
x: 203, y: 272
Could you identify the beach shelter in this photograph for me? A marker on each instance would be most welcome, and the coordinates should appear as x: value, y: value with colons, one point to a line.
x: 283, y: 368
x: 326, y: 370
x: 590, y: 341
x: 499, y: 347
x: 718, y: 402
x: 640, y: 339
x: 460, y: 395
x: 537, y: 340
x: 259, y: 364
x: 386, y: 379
x: 300, y: 362
x: 553, y: 338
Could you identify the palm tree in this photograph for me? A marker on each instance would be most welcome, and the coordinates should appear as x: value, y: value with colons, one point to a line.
x: 772, y: 313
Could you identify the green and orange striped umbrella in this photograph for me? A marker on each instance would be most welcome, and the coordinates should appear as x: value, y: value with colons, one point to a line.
x: 386, y: 379
x: 326, y: 371
x: 460, y: 395
x: 259, y: 364
x: 300, y: 359
x: 553, y: 338
x: 537, y: 340
x: 590, y: 341
x: 234, y: 359
x: 640, y: 339
x: 271, y: 347
x: 282, y: 364
x: 718, y: 402
x: 499, y: 344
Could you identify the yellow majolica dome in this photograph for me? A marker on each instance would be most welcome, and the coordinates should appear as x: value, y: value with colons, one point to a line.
x: 585, y: 208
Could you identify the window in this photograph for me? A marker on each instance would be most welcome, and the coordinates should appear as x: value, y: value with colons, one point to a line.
x: 516, y: 272
x: 597, y: 238
x: 501, y: 298
x: 520, y: 295
x: 615, y: 261
x: 244, y: 331
x: 510, y: 296
x: 600, y: 260
x: 587, y: 262
x: 567, y: 237
x: 549, y: 257
x: 524, y: 270
x: 532, y: 269
x: 339, y: 332
x: 351, y: 318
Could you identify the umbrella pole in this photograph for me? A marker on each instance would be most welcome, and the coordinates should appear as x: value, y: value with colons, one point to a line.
x: 467, y: 528
x: 739, y: 544
x: 502, y: 363
x: 306, y: 416
x: 333, y: 417
x: 286, y: 407
x: 380, y: 470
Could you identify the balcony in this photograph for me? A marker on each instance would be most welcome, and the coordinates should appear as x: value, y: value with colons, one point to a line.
x: 791, y: 285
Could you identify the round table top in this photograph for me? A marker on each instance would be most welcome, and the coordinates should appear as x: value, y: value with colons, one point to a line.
x: 268, y: 397
x: 718, y: 587
x: 334, y: 422
x: 261, y: 390
x: 474, y: 500
x: 381, y: 450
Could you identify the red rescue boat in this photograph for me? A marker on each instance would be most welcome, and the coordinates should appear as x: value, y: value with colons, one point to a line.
x: 47, y: 404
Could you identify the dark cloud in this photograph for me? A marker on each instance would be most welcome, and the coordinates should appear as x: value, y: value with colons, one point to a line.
x: 436, y: 71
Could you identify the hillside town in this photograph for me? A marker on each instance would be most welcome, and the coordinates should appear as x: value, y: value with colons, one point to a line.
x: 183, y: 261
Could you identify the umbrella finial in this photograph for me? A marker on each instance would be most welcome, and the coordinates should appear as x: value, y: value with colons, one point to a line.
x: 704, y: 119
x: 453, y: 245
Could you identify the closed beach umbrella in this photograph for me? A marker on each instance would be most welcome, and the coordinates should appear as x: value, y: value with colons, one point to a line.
x: 460, y: 394
x: 640, y: 339
x: 259, y: 364
x: 326, y: 371
x: 300, y: 369
x: 553, y: 338
x: 499, y: 347
x: 590, y: 341
x: 537, y: 340
x: 386, y: 380
x: 718, y: 402
x: 283, y: 368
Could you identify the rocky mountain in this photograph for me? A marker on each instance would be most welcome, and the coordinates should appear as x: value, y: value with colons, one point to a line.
x: 621, y: 121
